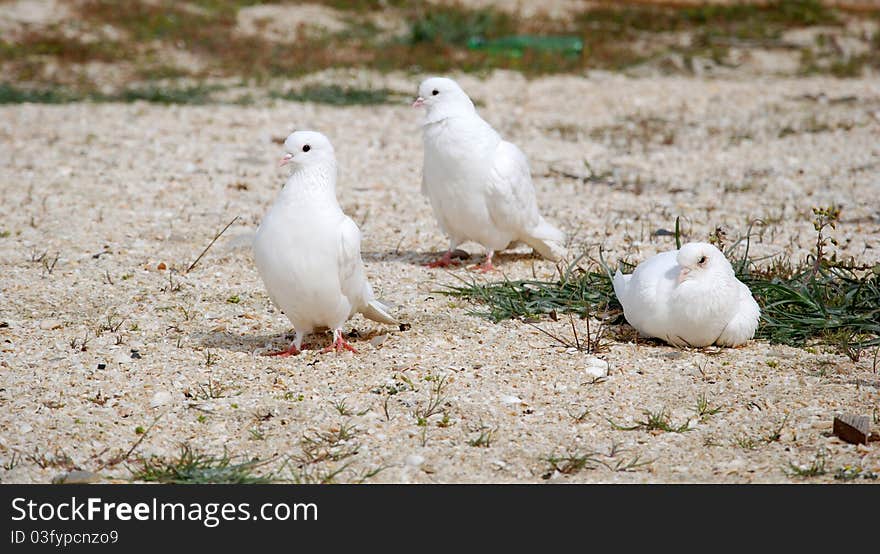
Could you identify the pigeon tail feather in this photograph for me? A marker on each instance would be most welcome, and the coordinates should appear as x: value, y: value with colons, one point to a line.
x: 547, y: 241
x: 620, y: 281
x: 378, y: 311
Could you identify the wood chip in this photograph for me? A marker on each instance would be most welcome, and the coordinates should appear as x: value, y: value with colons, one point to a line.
x: 851, y: 428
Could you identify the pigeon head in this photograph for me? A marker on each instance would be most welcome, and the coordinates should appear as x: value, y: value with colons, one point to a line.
x: 306, y: 148
x: 442, y: 98
x: 701, y: 260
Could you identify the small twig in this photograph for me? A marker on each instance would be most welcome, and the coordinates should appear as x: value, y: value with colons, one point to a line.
x: 577, y: 342
x: 113, y: 462
x: 364, y: 220
x: 551, y: 335
x: 397, y: 248
x: 677, y: 234
x: 217, y: 236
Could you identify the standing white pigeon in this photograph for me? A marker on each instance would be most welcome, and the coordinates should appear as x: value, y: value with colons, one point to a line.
x: 479, y: 185
x: 688, y: 297
x: 309, y: 253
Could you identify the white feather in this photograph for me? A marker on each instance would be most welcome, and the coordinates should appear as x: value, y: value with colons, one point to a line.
x: 479, y: 186
x: 710, y: 306
x: 308, y: 252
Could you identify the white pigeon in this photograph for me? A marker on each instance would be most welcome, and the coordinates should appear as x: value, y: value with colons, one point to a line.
x: 308, y: 252
x: 688, y: 297
x: 479, y: 185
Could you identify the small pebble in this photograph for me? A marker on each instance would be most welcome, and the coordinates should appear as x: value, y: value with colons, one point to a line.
x: 510, y: 399
x: 49, y: 324
x: 76, y: 477
x: 596, y: 368
x: 160, y: 398
x: 415, y: 460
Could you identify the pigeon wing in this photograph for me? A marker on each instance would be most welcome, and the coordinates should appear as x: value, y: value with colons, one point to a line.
x: 741, y: 328
x: 352, y: 278
x: 510, y: 192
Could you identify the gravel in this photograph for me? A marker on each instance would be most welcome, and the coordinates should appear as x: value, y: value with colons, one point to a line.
x: 116, y: 191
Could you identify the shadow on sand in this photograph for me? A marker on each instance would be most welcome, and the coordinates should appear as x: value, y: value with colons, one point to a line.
x: 423, y: 258
x: 264, y: 344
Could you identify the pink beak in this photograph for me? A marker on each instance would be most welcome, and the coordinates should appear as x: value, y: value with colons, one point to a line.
x: 285, y: 160
x: 682, y: 275
x: 419, y: 102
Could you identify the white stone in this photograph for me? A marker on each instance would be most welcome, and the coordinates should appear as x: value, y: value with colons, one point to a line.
x: 415, y: 460
x: 596, y: 368
x: 161, y: 398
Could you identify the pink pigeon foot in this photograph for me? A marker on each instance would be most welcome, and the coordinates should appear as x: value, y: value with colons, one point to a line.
x: 339, y: 344
x: 445, y: 261
x: 292, y: 350
x: 486, y: 266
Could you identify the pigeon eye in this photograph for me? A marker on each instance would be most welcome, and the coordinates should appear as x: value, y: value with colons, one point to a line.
x: 435, y: 92
x: 306, y: 148
x: 702, y: 260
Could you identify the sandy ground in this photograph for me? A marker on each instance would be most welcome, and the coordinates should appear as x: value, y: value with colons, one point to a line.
x: 116, y: 192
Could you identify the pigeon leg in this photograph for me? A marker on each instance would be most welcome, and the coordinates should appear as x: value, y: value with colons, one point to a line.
x: 293, y: 349
x: 339, y: 344
x: 486, y: 266
x: 445, y: 261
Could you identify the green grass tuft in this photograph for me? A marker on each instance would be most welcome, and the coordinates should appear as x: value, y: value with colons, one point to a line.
x: 821, y: 300
x: 579, y: 291
x: 816, y: 467
x: 655, y: 421
x: 834, y: 304
x: 337, y: 95
x: 455, y: 26
x: 192, y: 467
x: 197, y: 94
x: 575, y: 461
x: 162, y: 95
x: 10, y: 94
x: 704, y: 409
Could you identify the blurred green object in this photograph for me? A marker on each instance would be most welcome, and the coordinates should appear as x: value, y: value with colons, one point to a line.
x: 514, y: 46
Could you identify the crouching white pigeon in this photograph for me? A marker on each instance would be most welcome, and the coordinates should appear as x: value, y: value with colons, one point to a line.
x: 688, y: 297
x: 308, y: 252
x: 479, y: 185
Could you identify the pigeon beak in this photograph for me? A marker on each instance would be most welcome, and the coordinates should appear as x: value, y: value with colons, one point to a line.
x: 419, y: 102
x: 683, y: 275
x: 285, y: 160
